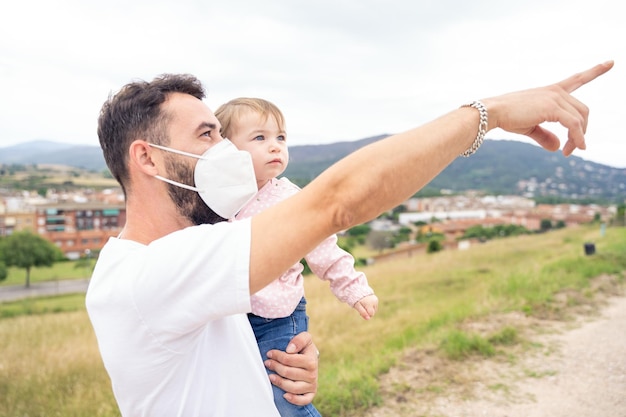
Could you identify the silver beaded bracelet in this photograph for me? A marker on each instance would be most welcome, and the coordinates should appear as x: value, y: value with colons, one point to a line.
x: 482, y: 127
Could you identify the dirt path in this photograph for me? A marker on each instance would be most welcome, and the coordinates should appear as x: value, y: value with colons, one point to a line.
x: 40, y: 289
x: 573, y: 368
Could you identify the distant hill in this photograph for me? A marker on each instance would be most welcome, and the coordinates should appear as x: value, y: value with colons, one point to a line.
x: 499, y: 167
x: 307, y: 161
x: 512, y: 167
x: 48, y: 152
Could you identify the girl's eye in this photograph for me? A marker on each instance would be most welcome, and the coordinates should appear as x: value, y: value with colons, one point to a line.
x: 260, y: 137
x: 281, y: 138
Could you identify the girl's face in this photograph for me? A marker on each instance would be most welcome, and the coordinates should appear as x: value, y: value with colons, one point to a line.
x: 265, y: 141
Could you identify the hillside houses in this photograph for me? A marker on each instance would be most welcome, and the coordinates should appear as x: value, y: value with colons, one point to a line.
x: 454, y: 214
x: 80, y: 222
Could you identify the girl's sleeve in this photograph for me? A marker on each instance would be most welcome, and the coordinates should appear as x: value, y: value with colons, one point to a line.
x: 331, y: 263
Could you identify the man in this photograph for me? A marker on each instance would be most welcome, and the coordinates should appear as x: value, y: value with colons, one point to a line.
x: 168, y: 297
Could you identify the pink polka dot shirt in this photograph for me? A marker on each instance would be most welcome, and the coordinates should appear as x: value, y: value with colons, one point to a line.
x: 328, y: 261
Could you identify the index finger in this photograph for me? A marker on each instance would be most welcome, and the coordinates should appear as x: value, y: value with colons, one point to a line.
x: 577, y: 80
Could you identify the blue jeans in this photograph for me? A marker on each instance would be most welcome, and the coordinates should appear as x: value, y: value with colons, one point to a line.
x: 276, y: 334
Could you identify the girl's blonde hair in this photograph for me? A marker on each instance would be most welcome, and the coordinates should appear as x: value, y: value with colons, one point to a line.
x: 232, y: 111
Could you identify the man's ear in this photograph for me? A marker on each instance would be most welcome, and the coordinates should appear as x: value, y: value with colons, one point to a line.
x: 141, y: 155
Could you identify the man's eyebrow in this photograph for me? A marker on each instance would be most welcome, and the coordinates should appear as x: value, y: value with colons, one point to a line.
x: 206, y: 125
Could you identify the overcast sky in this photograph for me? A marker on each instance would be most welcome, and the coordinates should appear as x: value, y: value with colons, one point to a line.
x: 340, y: 70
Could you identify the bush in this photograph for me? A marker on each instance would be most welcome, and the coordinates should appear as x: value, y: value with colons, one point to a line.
x: 434, y: 245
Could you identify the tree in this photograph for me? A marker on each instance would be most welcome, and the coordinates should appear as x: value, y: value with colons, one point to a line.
x: 545, y: 225
x: 26, y: 250
x: 379, y: 240
x: 358, y: 230
x: 3, y: 266
x: 620, y: 216
x: 402, y: 235
x: 3, y: 271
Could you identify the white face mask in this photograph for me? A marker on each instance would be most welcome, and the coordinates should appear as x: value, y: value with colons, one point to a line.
x: 224, y: 177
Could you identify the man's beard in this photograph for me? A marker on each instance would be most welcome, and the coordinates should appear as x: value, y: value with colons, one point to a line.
x: 189, y: 203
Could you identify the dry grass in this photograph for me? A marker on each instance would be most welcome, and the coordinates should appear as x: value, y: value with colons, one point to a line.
x: 425, y: 296
x: 50, y: 366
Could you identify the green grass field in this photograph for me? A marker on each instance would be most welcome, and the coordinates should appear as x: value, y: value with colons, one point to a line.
x: 60, y: 270
x: 50, y: 364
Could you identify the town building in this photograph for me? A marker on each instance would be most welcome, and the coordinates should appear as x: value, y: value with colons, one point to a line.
x: 79, y: 228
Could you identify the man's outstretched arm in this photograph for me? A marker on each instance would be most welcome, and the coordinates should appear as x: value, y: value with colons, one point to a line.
x: 384, y: 174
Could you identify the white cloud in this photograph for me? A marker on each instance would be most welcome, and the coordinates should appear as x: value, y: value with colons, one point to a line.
x: 340, y: 70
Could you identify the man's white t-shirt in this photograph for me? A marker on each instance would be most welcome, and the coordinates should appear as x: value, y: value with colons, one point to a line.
x: 171, y: 325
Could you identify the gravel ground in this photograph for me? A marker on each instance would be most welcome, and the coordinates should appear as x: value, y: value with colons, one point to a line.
x: 573, y: 368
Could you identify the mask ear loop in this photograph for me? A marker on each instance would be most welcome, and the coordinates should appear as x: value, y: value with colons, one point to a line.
x: 176, y: 151
x: 179, y: 152
x: 179, y: 184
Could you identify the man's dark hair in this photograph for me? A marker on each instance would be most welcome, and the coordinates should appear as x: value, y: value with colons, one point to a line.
x: 135, y: 113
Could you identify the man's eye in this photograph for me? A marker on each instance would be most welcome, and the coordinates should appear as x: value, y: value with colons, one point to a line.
x: 207, y: 133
